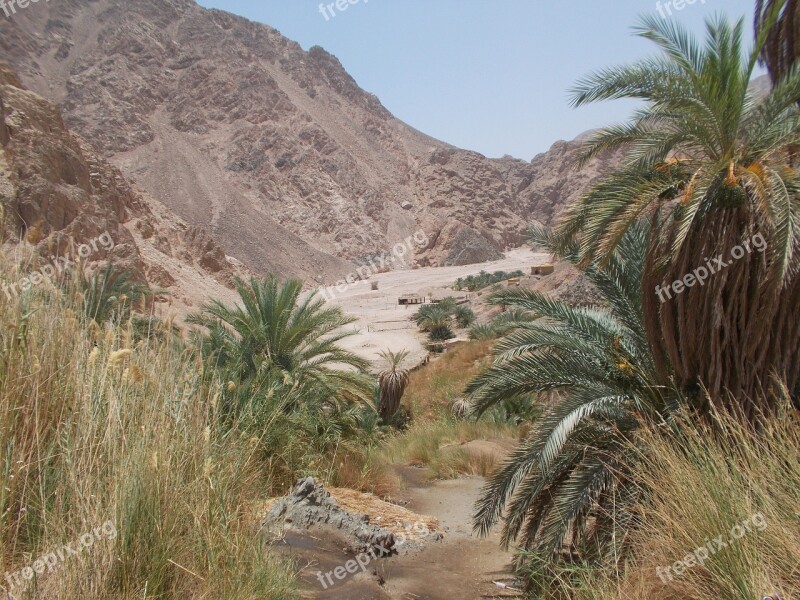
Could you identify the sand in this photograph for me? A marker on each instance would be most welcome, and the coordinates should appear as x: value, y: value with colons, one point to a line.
x: 384, y: 325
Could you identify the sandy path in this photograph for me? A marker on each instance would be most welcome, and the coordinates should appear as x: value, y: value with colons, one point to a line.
x: 382, y: 324
x: 462, y: 566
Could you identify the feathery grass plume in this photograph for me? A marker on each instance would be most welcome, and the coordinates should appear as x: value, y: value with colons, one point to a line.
x: 118, y: 357
x: 84, y: 448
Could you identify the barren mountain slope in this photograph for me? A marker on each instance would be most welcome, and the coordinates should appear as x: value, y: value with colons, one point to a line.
x: 239, y: 130
x: 56, y: 195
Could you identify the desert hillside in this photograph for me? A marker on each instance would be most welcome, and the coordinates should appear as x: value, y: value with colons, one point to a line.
x: 58, y: 196
x: 269, y: 147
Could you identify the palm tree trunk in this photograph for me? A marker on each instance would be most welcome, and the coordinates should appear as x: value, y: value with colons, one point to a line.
x: 734, y: 339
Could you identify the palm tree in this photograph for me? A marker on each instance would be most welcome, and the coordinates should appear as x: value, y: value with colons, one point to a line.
x: 780, y: 21
x: 570, y: 480
x: 436, y: 320
x: 707, y: 163
x: 273, y: 337
x: 464, y: 316
x: 109, y: 295
x: 392, y: 383
x: 499, y: 325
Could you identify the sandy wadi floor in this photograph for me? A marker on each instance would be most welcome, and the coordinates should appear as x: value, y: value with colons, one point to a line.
x: 384, y: 325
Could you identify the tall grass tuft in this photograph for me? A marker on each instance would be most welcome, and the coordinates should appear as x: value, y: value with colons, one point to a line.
x: 737, y: 485
x: 441, y: 446
x: 709, y: 485
x: 96, y: 427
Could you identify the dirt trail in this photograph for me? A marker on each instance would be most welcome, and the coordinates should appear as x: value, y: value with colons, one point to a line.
x: 460, y: 567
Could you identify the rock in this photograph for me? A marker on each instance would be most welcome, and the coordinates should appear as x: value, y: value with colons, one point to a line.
x: 309, y: 505
x: 159, y: 276
x: 58, y: 194
x: 198, y: 92
x: 145, y: 228
x: 302, y: 489
x: 210, y: 255
x: 470, y: 247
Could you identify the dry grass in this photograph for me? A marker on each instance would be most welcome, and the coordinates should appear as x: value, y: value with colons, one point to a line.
x: 384, y: 514
x: 704, y: 491
x: 449, y: 446
x: 449, y: 449
x: 95, y: 427
x: 365, y: 471
x: 433, y: 389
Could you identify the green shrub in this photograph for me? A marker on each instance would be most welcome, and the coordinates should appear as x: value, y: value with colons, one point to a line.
x: 441, y: 333
x: 464, y: 316
x: 473, y: 283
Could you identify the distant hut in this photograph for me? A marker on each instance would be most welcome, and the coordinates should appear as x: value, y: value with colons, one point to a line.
x: 409, y: 299
x: 542, y: 269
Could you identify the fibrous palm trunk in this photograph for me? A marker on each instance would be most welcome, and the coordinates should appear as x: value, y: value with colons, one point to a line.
x: 735, y: 339
x: 782, y: 48
x: 392, y: 385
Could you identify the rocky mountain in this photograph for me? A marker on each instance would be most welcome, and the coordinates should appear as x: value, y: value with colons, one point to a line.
x: 57, y: 197
x: 276, y: 151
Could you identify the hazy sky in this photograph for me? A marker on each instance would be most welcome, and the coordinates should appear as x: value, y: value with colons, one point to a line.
x: 486, y: 75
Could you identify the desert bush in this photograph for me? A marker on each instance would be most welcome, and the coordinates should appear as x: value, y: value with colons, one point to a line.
x: 464, y: 316
x: 473, y: 283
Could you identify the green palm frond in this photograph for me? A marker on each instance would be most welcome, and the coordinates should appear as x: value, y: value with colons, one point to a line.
x: 699, y: 114
x: 109, y: 295
x: 277, y: 339
x: 776, y: 34
x: 711, y: 166
x: 598, y: 363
